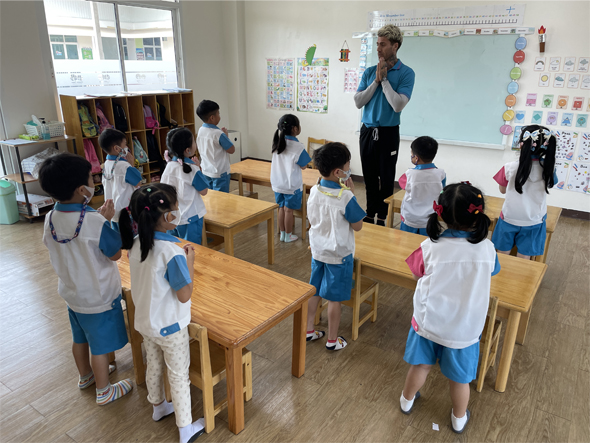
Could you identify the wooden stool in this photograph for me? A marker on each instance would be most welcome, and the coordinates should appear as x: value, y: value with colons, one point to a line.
x: 135, y: 338
x: 360, y: 294
x: 490, y: 339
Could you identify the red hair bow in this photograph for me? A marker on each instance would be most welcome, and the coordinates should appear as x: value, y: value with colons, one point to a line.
x: 437, y: 208
x: 472, y: 208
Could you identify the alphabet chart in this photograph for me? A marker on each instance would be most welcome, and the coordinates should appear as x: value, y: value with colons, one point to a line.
x: 312, y: 85
x: 280, y: 79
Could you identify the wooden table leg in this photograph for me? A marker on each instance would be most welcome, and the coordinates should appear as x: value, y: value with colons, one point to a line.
x: 543, y: 258
x: 507, y: 350
x: 299, y: 340
x: 270, y: 227
x: 228, y: 239
x: 235, y: 389
x: 523, y: 326
x: 390, y: 215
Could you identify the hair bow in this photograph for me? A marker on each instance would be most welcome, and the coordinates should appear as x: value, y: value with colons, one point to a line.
x: 472, y: 208
x: 168, y: 159
x: 437, y: 208
x: 466, y: 183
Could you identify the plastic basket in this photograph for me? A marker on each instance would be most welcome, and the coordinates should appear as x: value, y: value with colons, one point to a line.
x: 56, y: 129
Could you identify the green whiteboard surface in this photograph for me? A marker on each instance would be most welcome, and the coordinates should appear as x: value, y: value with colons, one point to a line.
x: 460, y: 87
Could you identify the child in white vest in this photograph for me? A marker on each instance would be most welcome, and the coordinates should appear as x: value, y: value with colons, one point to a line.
x: 525, y: 183
x: 423, y: 183
x: 289, y: 157
x: 453, y: 268
x: 162, y: 285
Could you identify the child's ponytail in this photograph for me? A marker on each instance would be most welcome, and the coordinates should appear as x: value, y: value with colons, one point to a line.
x: 285, y: 127
x: 433, y: 227
x: 177, y: 141
x: 481, y: 228
x: 530, y: 142
x: 547, y: 157
x: 126, y: 228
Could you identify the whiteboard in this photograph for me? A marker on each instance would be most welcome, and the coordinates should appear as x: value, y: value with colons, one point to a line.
x: 460, y: 87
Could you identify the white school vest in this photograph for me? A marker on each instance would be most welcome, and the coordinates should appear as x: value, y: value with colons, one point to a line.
x: 156, y: 304
x: 331, y: 236
x: 190, y: 202
x: 214, y: 159
x: 423, y: 187
x: 285, y: 174
x: 87, y: 279
x: 451, y: 299
x: 528, y: 208
x: 117, y: 188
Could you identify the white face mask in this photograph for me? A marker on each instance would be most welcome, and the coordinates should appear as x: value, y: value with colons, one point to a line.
x: 348, y: 174
x: 91, y: 190
x: 176, y: 215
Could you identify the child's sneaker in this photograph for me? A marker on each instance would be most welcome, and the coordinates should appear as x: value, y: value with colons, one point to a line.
x: 338, y: 344
x: 459, y: 424
x: 282, y: 237
x: 315, y: 335
x: 290, y: 237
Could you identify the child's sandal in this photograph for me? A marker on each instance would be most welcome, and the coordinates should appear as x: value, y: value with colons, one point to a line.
x: 340, y: 344
x: 315, y: 335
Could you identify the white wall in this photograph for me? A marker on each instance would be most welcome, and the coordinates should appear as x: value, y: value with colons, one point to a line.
x: 287, y: 29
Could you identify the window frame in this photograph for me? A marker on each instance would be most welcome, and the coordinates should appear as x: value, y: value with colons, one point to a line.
x: 65, y: 44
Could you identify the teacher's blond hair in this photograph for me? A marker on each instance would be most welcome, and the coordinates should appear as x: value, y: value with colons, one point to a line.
x: 392, y: 33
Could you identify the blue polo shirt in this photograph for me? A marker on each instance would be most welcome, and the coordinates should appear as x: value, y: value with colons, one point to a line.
x: 378, y: 112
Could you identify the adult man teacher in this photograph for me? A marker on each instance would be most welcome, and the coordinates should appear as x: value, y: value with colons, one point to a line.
x: 384, y: 91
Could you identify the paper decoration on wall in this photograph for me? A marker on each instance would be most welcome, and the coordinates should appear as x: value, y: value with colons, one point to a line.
x: 542, y: 38
x: 583, y: 63
x: 366, y: 48
x: 562, y: 102
x: 312, y: 85
x: 344, y: 53
x: 581, y: 120
x: 540, y: 64
x: 561, y: 170
x: 579, y: 178
x: 351, y: 80
x: 577, y: 103
x: 585, y: 84
x: 309, y: 55
x: 552, y: 118
x: 583, y: 154
x: 515, y: 73
x: 559, y: 80
x: 537, y: 117
x: 531, y: 100
x: 554, y: 63
x: 519, y: 117
x: 516, y: 138
x: 567, y: 118
x: 569, y: 64
x: 547, y: 101
x: 573, y: 81
x: 544, y: 79
x: 280, y: 83
x: 566, y: 144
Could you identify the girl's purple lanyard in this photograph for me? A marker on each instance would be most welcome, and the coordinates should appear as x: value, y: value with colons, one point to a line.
x: 54, y: 235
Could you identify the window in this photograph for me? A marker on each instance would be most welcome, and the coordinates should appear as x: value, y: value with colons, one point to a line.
x: 64, y: 46
x: 152, y: 48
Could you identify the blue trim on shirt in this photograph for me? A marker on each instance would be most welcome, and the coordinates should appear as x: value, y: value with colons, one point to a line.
x: 225, y: 142
x: 111, y: 157
x: 110, y: 240
x: 444, y: 181
x: 72, y: 207
x: 497, y: 266
x: 210, y: 126
x: 304, y: 158
x: 186, y: 160
x: 290, y: 137
x: 169, y: 330
x: 329, y: 184
x: 426, y: 166
x: 456, y: 233
x: 132, y: 176
x: 166, y: 237
x: 199, y: 181
x: 353, y: 212
x: 177, y: 273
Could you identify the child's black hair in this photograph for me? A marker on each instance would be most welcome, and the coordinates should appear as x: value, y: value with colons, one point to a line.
x: 109, y: 138
x: 285, y: 127
x: 147, y: 205
x: 544, y: 147
x: 61, y: 174
x: 177, y: 141
x: 456, y: 200
x: 425, y: 147
x: 331, y: 156
x: 206, y: 108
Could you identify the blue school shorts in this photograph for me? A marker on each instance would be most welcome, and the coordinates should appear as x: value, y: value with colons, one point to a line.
x: 406, y: 228
x: 104, y: 332
x: 529, y: 240
x: 332, y: 282
x: 218, y: 184
x: 192, y: 231
x: 458, y: 365
x: 291, y: 201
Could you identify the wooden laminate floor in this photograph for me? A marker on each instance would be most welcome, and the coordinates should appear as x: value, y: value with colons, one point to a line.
x: 351, y: 395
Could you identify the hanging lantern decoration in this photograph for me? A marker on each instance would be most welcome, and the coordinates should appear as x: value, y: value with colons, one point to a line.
x: 344, y: 53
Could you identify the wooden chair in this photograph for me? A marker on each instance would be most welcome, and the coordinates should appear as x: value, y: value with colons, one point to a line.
x: 314, y: 141
x: 360, y: 294
x: 236, y: 176
x: 135, y: 338
x: 207, y: 369
x: 490, y: 339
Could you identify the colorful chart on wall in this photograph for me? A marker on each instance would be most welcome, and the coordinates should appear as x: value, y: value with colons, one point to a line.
x: 351, y: 80
x: 583, y: 154
x: 312, y: 85
x: 566, y: 144
x: 280, y: 83
x: 579, y: 178
x: 561, y: 170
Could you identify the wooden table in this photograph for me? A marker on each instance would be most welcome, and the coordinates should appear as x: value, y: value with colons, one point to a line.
x: 257, y: 172
x: 493, y: 209
x: 228, y: 214
x: 383, y: 254
x: 238, y: 302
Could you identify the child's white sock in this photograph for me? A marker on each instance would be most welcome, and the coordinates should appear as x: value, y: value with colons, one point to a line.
x: 162, y: 410
x: 290, y: 237
x: 405, y: 404
x: 458, y: 423
x: 192, y: 432
x: 282, y: 235
x: 113, y: 391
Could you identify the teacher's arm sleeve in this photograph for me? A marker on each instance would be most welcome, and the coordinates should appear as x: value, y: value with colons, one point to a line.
x: 365, y: 91
x: 395, y: 100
